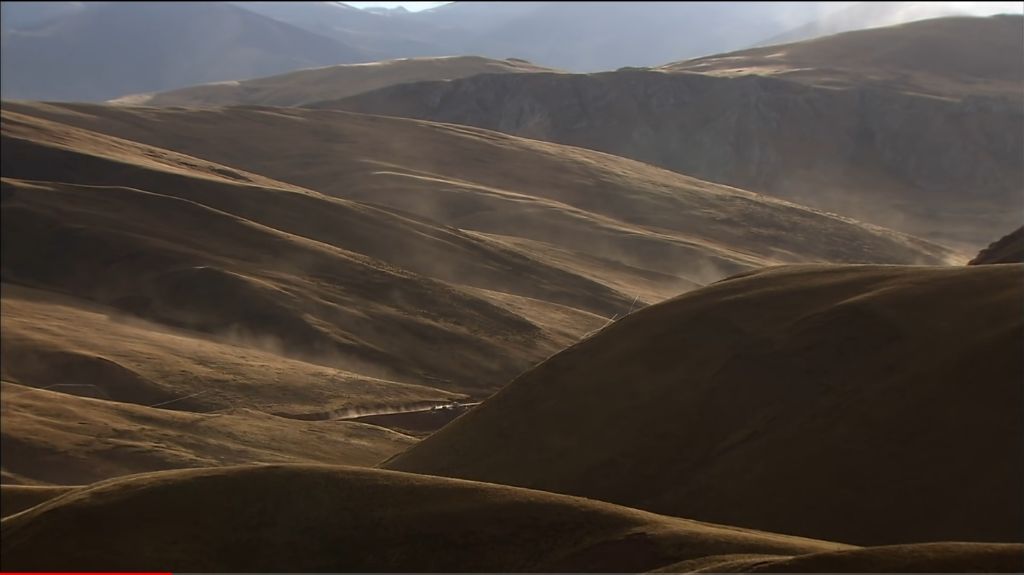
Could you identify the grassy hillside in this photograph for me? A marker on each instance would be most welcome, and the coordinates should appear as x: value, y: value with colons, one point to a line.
x: 330, y: 82
x: 839, y: 402
x: 317, y: 519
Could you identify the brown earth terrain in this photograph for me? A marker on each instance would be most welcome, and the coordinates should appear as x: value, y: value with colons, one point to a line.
x: 919, y: 128
x: 1007, y: 250
x: 345, y: 519
x: 331, y: 82
x: 589, y: 204
x: 954, y: 57
x: 846, y: 403
x: 62, y: 439
x: 319, y: 518
x: 217, y: 320
x: 141, y: 275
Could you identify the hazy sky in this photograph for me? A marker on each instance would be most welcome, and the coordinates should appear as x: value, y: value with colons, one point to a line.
x: 979, y: 8
x: 410, y: 6
x: 990, y: 7
x: 974, y: 7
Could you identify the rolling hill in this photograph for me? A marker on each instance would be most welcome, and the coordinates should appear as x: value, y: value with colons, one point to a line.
x: 166, y: 281
x: 894, y: 137
x: 205, y: 248
x: 317, y: 84
x: 950, y: 57
x: 862, y: 15
x: 17, y: 498
x: 314, y: 270
x: 571, y: 199
x: 321, y: 519
x: 73, y: 345
x: 62, y: 439
x: 1007, y: 250
x: 305, y: 314
x: 836, y: 402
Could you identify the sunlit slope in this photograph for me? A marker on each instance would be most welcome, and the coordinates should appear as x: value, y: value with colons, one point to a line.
x: 219, y: 248
x: 75, y: 346
x: 951, y: 57
x: 338, y: 276
x: 17, y: 498
x: 63, y: 439
x: 318, y: 84
x: 916, y: 127
x: 593, y: 204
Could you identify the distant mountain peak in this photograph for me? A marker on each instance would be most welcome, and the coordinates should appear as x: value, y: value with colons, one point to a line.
x: 386, y: 11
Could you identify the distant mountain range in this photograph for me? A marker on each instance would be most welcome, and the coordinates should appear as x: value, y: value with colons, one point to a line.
x: 916, y: 127
x: 104, y: 51
x: 87, y: 51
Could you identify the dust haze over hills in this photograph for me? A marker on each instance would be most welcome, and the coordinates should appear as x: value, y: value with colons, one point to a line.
x: 342, y: 306
x: 879, y: 124
x: 88, y: 51
x: 948, y: 57
x: 844, y: 17
x: 309, y: 86
x: 246, y: 325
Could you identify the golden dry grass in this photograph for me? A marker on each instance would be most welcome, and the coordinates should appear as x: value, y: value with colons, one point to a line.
x: 585, y: 202
x: 914, y: 127
x: 87, y: 349
x: 57, y: 438
x: 17, y: 498
x: 198, y: 272
x: 330, y: 82
x: 230, y: 269
x: 946, y: 57
x: 201, y: 250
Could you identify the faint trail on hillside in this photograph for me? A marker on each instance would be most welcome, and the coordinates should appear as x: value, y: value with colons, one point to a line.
x: 356, y: 412
x: 170, y: 401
